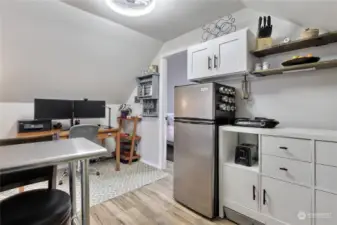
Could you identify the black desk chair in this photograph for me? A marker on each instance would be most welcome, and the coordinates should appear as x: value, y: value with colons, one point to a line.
x: 36, y: 207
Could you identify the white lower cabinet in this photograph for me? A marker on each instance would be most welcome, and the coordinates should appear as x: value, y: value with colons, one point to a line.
x: 240, y: 189
x: 285, y: 203
x: 326, y: 208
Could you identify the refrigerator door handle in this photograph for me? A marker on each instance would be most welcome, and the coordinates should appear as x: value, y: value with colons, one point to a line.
x: 195, y: 122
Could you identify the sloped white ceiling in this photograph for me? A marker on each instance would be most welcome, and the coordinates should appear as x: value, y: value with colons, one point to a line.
x: 169, y: 19
x: 307, y: 13
x: 172, y: 18
x: 52, y: 50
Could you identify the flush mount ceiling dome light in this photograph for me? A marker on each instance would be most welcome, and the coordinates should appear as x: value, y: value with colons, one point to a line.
x: 131, y: 7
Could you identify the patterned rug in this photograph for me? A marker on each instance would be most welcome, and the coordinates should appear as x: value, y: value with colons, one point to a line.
x: 109, y: 184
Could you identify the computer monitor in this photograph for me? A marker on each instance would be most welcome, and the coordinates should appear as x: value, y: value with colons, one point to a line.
x: 53, y: 109
x: 89, y: 109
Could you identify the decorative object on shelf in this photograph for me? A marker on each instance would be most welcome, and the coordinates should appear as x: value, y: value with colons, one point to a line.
x: 246, y: 89
x: 152, y: 69
x: 286, y: 40
x: 309, y: 33
x: 264, y: 32
x: 298, y: 60
x: 323, y: 39
x: 218, y: 28
x: 125, y: 110
x: 258, y: 66
x: 266, y: 65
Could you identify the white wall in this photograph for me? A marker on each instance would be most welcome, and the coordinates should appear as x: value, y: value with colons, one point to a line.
x: 55, y: 50
x: 176, y: 76
x: 304, y: 99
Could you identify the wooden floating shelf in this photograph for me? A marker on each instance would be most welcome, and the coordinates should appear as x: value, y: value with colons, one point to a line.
x: 323, y: 39
x: 298, y: 68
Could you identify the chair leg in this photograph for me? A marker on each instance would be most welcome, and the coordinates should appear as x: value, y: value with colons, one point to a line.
x: 65, y: 173
x: 52, y: 179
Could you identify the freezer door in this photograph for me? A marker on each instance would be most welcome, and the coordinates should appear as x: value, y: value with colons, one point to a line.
x: 194, y: 158
x: 194, y: 101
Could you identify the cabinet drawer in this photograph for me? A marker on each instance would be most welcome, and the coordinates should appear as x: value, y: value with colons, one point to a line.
x: 284, y: 201
x: 326, y: 178
x: 286, y: 169
x: 290, y: 148
x: 326, y: 153
x: 326, y: 208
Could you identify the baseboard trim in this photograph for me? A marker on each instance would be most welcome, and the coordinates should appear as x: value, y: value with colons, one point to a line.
x: 149, y: 163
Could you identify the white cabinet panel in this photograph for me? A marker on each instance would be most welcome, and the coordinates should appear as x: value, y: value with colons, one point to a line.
x: 291, y: 148
x: 326, y: 153
x: 200, y: 62
x: 326, y: 178
x: 286, y: 202
x: 286, y: 169
x: 230, y: 55
x: 240, y: 187
x: 326, y: 208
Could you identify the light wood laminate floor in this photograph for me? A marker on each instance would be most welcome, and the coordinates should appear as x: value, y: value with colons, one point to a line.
x: 150, y: 205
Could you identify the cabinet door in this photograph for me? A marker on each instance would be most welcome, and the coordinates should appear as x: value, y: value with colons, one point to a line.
x: 200, y: 63
x: 326, y: 208
x: 230, y: 54
x: 285, y: 202
x: 240, y: 187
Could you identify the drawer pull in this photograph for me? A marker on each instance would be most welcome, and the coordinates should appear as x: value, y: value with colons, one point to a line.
x: 264, y: 197
x: 284, y: 169
x: 254, y: 192
x: 283, y: 148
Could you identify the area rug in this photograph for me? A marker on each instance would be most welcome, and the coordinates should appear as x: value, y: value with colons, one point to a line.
x: 109, y: 184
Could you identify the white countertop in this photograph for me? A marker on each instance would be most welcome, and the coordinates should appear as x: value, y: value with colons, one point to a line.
x: 33, y: 155
x: 305, y: 133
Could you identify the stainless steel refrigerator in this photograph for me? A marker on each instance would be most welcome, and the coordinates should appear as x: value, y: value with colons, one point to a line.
x: 199, y: 110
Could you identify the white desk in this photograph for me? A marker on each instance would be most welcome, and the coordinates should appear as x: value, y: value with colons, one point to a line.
x: 34, y: 155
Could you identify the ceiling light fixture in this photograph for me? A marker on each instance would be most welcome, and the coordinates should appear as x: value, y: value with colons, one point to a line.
x: 131, y: 8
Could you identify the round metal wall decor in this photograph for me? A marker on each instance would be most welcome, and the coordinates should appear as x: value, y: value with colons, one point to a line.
x: 218, y: 28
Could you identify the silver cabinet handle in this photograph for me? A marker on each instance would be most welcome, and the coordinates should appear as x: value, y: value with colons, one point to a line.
x: 209, y: 63
x: 215, y: 61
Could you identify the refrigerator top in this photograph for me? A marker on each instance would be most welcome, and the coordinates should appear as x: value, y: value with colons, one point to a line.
x: 195, y: 101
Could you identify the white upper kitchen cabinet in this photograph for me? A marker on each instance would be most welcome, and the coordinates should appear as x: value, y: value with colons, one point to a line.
x: 199, y: 61
x: 231, y: 53
x: 221, y: 57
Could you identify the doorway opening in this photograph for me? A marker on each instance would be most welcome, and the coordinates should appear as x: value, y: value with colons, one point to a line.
x: 176, y: 76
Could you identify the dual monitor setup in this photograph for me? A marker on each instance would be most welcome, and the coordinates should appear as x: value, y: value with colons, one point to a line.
x: 46, y: 110
x: 55, y: 109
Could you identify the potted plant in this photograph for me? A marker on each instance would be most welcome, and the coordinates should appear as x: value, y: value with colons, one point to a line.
x: 125, y: 110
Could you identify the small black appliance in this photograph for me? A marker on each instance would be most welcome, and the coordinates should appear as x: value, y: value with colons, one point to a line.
x: 246, y: 154
x: 34, y: 125
x: 258, y: 122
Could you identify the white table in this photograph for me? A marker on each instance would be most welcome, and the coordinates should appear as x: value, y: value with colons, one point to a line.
x: 34, y: 155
